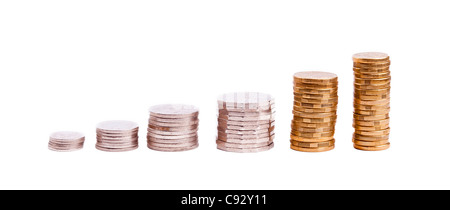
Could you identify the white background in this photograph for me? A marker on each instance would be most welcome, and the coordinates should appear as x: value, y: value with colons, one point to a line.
x: 67, y: 65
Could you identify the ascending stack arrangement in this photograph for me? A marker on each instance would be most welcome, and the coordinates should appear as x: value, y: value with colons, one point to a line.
x: 173, y: 127
x: 66, y: 141
x: 371, y: 103
x: 314, y: 111
x: 117, y: 136
x: 246, y: 122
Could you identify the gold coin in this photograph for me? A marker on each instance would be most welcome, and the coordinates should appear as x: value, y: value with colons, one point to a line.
x: 314, y: 110
x: 370, y: 117
x: 318, y: 149
x: 312, y: 135
x: 372, y: 87
x: 370, y: 57
x: 306, y: 139
x: 316, y: 101
x: 315, y: 86
x: 314, y: 91
x: 373, y: 133
x: 371, y: 65
x: 315, y: 77
x: 370, y: 138
x: 312, y: 130
x: 370, y: 128
x: 370, y: 143
x: 371, y: 107
x: 312, y: 125
x: 313, y: 115
x: 312, y: 144
x: 376, y: 103
x: 372, y: 92
x: 312, y: 105
x: 371, y: 70
x: 372, y: 148
x: 316, y: 96
x: 372, y: 76
x: 314, y: 120
x: 371, y: 81
x: 372, y: 112
x: 371, y: 97
x: 371, y: 123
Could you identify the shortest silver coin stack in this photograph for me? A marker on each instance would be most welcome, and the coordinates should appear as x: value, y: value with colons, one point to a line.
x: 66, y: 141
x: 172, y: 128
x: 117, y: 136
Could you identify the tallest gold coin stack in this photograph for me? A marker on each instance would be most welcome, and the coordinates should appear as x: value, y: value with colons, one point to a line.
x: 371, y: 101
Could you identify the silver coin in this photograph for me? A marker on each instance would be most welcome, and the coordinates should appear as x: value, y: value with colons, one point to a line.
x: 245, y: 113
x: 247, y: 141
x: 246, y: 119
x: 168, y: 133
x: 107, y: 149
x: 169, y: 137
x: 243, y: 146
x: 165, y: 149
x: 259, y: 149
x: 173, y: 124
x: 245, y: 128
x: 172, y: 145
x: 244, y: 100
x: 174, y: 111
x: 245, y: 123
x: 245, y: 136
x: 174, y: 129
x: 117, y: 126
x: 245, y: 132
x: 171, y: 141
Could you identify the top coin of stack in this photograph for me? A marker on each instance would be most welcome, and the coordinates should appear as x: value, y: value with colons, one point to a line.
x: 117, y: 136
x: 65, y: 141
x: 172, y: 127
x: 245, y: 122
x: 371, y: 101
x: 315, y: 106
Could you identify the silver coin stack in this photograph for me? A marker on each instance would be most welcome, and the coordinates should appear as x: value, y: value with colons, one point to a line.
x: 246, y: 122
x: 173, y: 127
x: 117, y: 136
x: 66, y: 141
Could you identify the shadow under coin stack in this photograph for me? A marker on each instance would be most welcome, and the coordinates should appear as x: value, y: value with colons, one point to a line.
x: 117, y: 136
x: 173, y: 128
x: 66, y: 141
x: 314, y: 111
x: 245, y: 122
x: 371, y: 101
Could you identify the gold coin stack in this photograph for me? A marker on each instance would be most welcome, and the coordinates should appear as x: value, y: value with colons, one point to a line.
x: 315, y: 105
x: 371, y: 101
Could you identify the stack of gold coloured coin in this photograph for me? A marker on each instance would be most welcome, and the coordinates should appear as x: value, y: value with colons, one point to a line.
x: 117, y: 136
x: 371, y: 101
x: 315, y: 105
x: 172, y: 128
x: 65, y: 141
x: 245, y: 122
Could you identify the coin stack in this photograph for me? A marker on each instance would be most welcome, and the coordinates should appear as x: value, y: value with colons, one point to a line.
x: 172, y: 128
x: 245, y: 122
x: 65, y: 141
x: 314, y: 111
x: 117, y: 136
x: 371, y: 101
